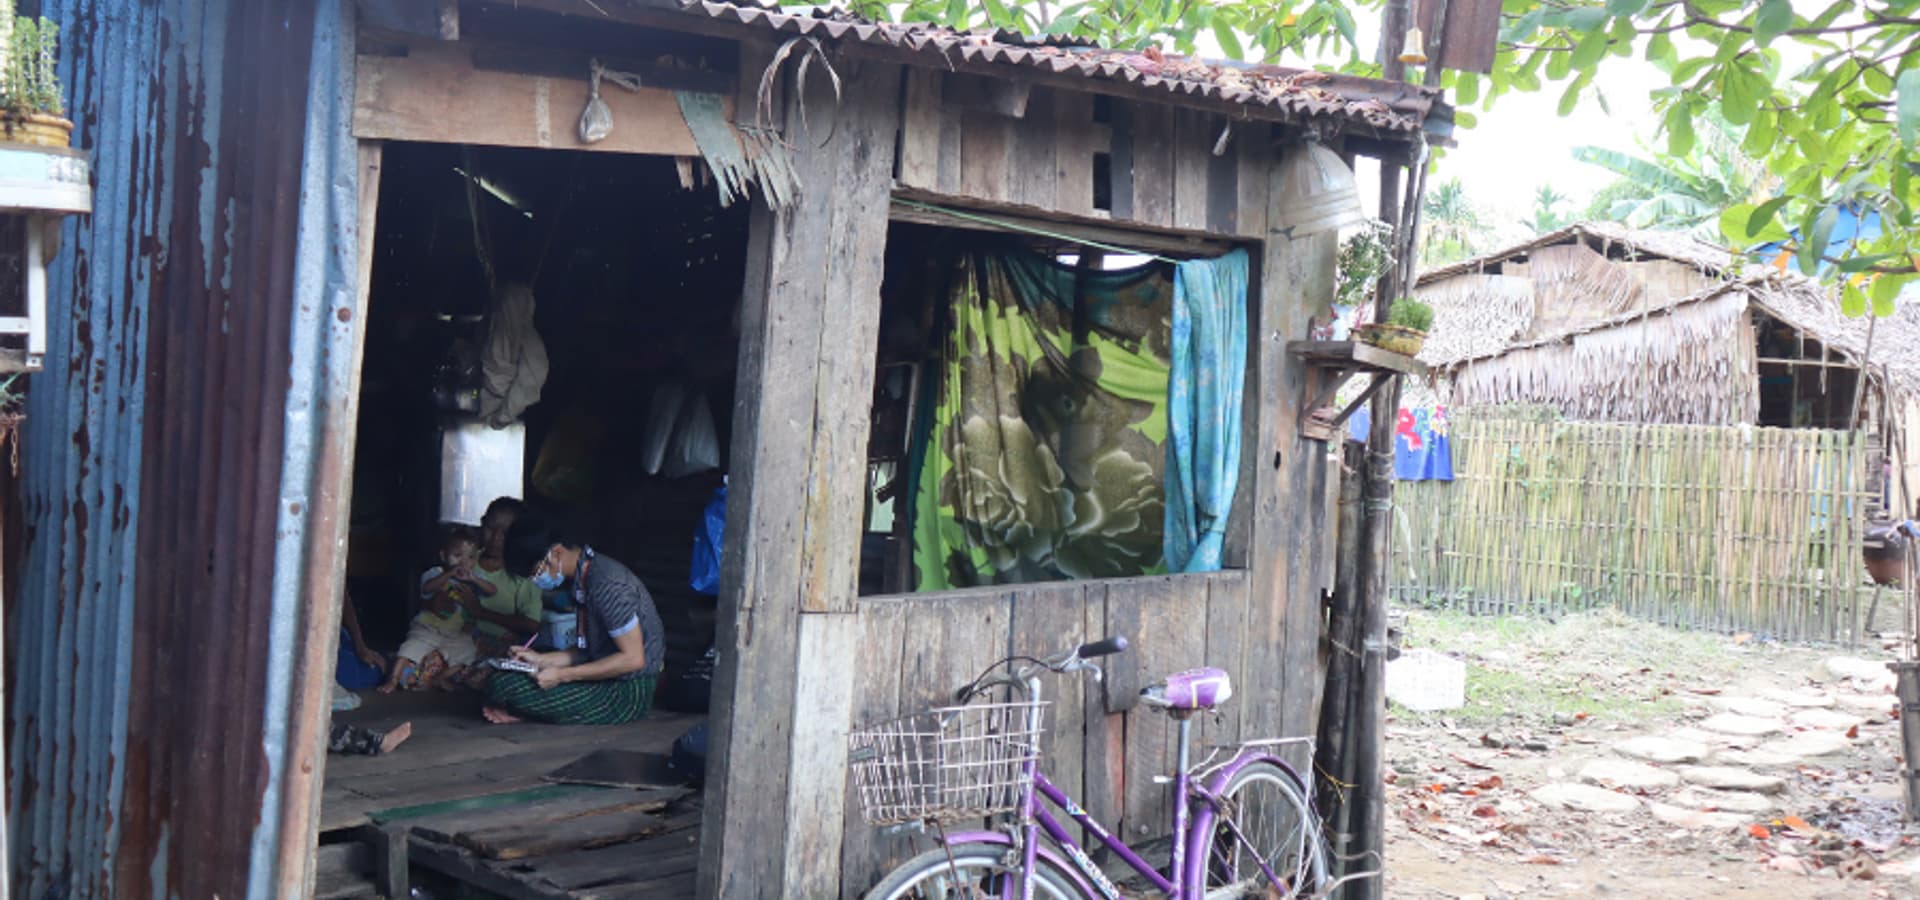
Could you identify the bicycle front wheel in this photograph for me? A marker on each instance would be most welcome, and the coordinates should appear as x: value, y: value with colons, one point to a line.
x: 969, y: 872
x: 1267, y: 806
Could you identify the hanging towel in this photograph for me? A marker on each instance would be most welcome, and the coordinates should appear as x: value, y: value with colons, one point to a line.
x: 1204, y: 391
x: 514, y: 362
x: 1421, y: 448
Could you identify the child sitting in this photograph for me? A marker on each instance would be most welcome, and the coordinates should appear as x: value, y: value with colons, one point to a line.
x: 439, y: 644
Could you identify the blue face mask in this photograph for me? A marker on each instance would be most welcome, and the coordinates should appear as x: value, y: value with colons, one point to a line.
x: 547, y: 581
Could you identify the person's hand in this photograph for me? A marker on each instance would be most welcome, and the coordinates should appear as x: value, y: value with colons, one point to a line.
x: 548, y: 677
x: 371, y: 657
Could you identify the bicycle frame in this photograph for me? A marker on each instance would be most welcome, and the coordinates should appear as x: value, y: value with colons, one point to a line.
x: 1189, y: 826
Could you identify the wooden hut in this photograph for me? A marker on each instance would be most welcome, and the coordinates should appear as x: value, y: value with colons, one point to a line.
x: 686, y: 134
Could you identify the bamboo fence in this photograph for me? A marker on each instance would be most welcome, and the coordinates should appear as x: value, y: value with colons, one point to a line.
x: 1733, y: 529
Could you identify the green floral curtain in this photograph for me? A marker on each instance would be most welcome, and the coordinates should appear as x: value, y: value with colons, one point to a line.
x: 1044, y: 455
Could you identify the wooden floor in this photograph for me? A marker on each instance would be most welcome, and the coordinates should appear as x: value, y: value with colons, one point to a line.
x: 473, y: 800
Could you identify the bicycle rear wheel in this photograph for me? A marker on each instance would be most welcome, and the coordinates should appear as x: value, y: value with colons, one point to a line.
x: 1267, y: 805
x: 971, y: 872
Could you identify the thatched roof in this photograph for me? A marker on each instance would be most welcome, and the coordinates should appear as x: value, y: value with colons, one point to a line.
x: 1690, y: 361
x: 1610, y: 238
x: 1558, y: 282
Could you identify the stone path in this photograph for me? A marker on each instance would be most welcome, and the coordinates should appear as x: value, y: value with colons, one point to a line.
x: 1726, y: 769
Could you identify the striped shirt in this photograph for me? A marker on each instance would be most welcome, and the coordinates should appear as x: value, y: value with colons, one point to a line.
x: 613, y: 603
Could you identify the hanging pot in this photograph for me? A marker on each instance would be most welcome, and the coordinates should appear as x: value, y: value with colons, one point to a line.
x: 36, y: 129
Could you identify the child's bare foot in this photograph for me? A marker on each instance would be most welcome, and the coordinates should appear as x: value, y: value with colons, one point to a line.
x: 396, y: 737
x: 499, y: 716
x: 389, y: 687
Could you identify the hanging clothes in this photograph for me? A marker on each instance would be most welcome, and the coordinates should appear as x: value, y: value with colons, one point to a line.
x: 1421, y: 449
x: 514, y: 361
x: 1044, y: 453
x: 1204, y: 394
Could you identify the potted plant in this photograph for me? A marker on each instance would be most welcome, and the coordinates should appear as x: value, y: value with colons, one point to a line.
x: 1404, y: 331
x: 1365, y: 255
x: 31, y: 109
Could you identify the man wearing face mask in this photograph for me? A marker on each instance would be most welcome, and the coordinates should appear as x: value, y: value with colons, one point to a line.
x: 608, y: 676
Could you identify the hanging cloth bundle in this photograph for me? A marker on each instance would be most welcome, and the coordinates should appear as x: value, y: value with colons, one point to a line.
x: 738, y: 155
x: 514, y: 361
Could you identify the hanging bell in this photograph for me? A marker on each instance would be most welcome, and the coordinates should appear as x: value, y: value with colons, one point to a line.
x: 1415, y: 52
x: 1317, y: 191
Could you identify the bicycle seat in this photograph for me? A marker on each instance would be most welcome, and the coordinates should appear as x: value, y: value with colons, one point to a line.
x: 1203, y: 688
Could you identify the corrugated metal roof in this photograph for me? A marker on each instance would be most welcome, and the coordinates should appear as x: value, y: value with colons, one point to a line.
x: 1266, y: 91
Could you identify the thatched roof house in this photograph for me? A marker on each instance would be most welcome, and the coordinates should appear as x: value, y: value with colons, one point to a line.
x: 1583, y: 273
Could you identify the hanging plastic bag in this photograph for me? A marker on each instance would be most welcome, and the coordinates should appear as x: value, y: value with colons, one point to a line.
x: 696, y: 445
x: 662, y: 414
x: 705, y: 577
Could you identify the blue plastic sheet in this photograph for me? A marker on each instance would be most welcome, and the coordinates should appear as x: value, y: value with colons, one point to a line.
x: 706, y: 545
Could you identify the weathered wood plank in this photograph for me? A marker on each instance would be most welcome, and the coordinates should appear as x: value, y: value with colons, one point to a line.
x: 435, y: 94
x: 1104, y: 775
x: 823, y: 693
x: 588, y: 802
x: 579, y: 833
x: 920, y: 130
x: 1047, y: 619
x: 986, y: 142
x: 1120, y: 172
x: 465, y: 866
x: 1146, y: 809
x: 1225, y: 640
x: 1153, y: 164
x: 1074, y: 147
x: 1256, y: 157
x: 948, y: 177
x: 623, y: 864
x: 865, y: 856
x: 1193, y: 134
x: 810, y: 267
x: 1036, y: 139
x: 1223, y: 183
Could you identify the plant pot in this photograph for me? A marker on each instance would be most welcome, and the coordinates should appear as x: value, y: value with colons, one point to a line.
x: 1392, y: 338
x: 36, y: 130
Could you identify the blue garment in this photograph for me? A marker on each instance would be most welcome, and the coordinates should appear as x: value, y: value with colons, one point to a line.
x: 1204, y: 391
x: 353, y: 674
x: 705, y: 577
x: 1421, y: 450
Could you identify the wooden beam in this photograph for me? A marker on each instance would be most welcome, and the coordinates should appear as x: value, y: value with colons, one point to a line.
x: 809, y: 337
x: 436, y: 19
x: 1020, y: 217
x: 435, y: 93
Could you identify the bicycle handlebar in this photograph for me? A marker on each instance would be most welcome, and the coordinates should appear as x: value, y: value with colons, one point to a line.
x: 1069, y: 660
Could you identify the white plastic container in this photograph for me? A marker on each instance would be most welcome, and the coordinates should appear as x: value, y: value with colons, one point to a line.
x: 1427, y: 681
x: 558, y: 630
x: 477, y: 464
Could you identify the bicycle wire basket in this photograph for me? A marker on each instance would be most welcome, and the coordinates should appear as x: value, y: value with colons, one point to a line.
x: 945, y: 764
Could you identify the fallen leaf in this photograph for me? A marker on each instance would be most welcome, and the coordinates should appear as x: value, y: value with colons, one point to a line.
x: 1490, y: 782
x: 1437, y: 788
x: 1580, y: 716
x: 1741, y: 638
x: 1543, y: 861
x: 1853, y: 733
x: 1391, y: 777
x: 1469, y: 763
x: 1707, y: 691
x: 1759, y: 832
x: 1485, y: 812
x: 1796, y: 823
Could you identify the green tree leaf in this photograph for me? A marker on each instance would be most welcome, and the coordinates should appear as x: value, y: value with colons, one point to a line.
x: 1772, y: 19
x: 1590, y: 50
x: 1853, y: 303
x: 1466, y: 91
x: 1660, y: 48
x: 1587, y: 18
x: 1229, y: 40
x: 1816, y: 238
x: 1762, y: 217
x: 1680, y: 136
x: 1907, y: 110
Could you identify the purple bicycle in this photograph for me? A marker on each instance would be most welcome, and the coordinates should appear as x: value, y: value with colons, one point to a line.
x: 1243, y: 827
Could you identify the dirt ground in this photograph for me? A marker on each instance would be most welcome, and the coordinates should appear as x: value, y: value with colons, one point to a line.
x: 1599, y: 756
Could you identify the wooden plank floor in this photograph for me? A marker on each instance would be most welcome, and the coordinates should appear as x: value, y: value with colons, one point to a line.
x: 473, y: 799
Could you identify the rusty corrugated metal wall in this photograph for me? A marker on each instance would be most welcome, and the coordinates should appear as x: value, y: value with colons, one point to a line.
x: 155, y: 647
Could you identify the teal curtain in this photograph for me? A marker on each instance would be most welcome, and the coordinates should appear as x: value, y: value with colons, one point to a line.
x: 1205, y: 388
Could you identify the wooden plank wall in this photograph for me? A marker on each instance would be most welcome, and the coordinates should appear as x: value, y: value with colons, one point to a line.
x: 1163, y: 173
x: 1101, y: 747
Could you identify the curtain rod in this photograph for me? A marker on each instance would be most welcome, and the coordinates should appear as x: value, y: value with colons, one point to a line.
x: 1029, y: 229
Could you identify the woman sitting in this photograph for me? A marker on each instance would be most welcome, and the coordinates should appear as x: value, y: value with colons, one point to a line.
x: 608, y: 676
x: 511, y: 615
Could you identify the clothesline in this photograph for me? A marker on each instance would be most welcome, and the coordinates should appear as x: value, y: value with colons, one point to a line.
x: 1029, y: 229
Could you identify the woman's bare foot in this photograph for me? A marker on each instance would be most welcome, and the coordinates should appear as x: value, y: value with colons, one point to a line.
x: 389, y: 687
x: 499, y: 716
x: 396, y: 737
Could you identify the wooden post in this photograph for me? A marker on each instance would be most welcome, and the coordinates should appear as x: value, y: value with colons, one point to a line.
x: 809, y: 320
x: 1342, y: 659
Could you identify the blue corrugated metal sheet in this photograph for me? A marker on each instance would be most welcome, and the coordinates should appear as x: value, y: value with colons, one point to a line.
x: 157, y: 631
